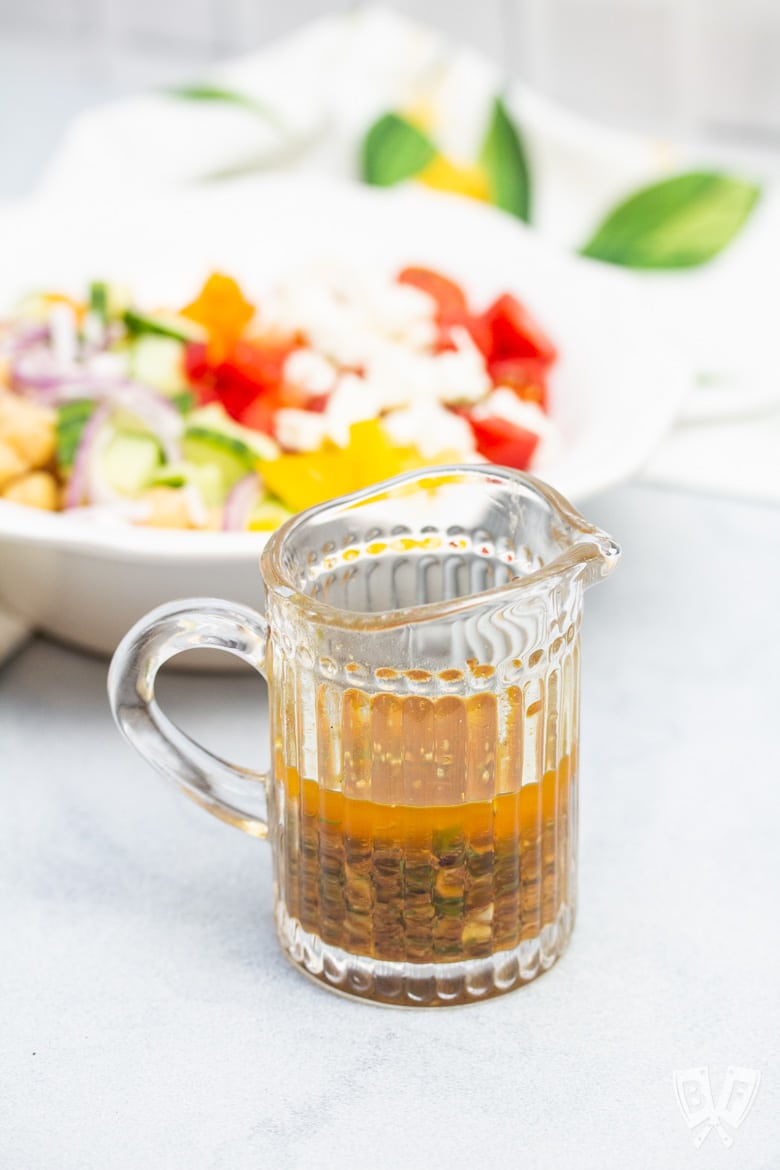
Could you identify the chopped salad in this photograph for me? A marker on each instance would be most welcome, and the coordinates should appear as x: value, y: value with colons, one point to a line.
x: 227, y: 414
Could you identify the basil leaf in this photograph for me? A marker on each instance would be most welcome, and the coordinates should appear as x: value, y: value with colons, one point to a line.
x: 678, y: 223
x: 504, y: 160
x: 394, y: 150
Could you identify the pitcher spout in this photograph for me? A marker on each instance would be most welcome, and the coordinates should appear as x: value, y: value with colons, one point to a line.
x: 585, y: 551
x: 597, y: 554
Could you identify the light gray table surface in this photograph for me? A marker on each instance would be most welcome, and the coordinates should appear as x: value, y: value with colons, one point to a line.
x: 148, y: 1018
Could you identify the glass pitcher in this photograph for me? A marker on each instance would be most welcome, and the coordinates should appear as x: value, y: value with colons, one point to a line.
x: 421, y: 646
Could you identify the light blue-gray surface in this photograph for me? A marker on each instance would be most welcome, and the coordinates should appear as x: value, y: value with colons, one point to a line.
x: 148, y: 1018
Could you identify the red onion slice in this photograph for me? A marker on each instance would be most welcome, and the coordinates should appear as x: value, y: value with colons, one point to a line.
x: 156, y: 411
x: 34, y: 372
x: 88, y: 486
x: 77, y: 491
x: 23, y: 336
x: 240, y: 502
x: 37, y: 375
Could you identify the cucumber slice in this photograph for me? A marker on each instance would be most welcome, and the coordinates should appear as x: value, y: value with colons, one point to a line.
x: 206, y: 477
x: 108, y: 301
x: 157, y: 361
x: 215, y: 419
x: 129, y: 461
x: 233, y: 458
x: 162, y: 325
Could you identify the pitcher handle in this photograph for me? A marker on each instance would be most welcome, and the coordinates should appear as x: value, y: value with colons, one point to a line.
x: 234, y: 794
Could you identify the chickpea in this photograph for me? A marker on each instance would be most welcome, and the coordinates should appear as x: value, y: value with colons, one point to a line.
x: 11, y: 465
x: 28, y: 428
x: 37, y: 489
x: 168, y: 508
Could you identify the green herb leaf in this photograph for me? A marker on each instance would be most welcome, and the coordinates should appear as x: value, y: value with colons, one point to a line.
x: 214, y: 93
x: 678, y: 223
x: 505, y: 162
x: 394, y: 150
x: 98, y: 299
x: 72, y: 417
x: 138, y: 324
x: 184, y: 401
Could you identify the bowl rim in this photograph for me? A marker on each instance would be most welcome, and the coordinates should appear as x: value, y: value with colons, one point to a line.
x: 111, y: 537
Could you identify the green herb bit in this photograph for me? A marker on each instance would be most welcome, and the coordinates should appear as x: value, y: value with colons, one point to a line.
x: 98, y: 299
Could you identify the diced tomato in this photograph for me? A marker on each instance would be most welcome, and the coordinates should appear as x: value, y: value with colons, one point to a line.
x: 196, y: 360
x: 200, y: 373
x: 449, y: 296
x: 475, y: 326
x: 259, y: 414
x: 252, y: 367
x: 526, y: 376
x: 504, y: 442
x: 515, y: 334
x: 317, y: 403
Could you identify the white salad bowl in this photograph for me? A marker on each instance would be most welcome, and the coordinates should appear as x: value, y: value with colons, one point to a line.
x: 615, y: 390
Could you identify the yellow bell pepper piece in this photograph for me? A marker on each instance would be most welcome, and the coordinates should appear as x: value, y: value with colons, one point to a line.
x: 461, y: 178
x: 375, y: 456
x: 302, y: 480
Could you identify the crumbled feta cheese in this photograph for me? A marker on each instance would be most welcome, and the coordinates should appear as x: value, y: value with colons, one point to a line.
x: 402, y: 312
x: 306, y: 430
x: 504, y: 403
x: 352, y: 401
x: 347, y: 317
x: 461, y: 372
x: 401, y: 377
x: 299, y: 430
x: 306, y: 307
x: 310, y: 371
x: 431, y: 429
x: 420, y: 335
x: 108, y: 364
x: 387, y: 331
x: 64, y: 338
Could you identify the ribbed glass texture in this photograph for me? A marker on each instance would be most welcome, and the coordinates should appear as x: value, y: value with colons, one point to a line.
x: 424, y: 673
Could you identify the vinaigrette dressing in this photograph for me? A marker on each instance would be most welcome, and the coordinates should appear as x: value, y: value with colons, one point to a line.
x: 431, y: 845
